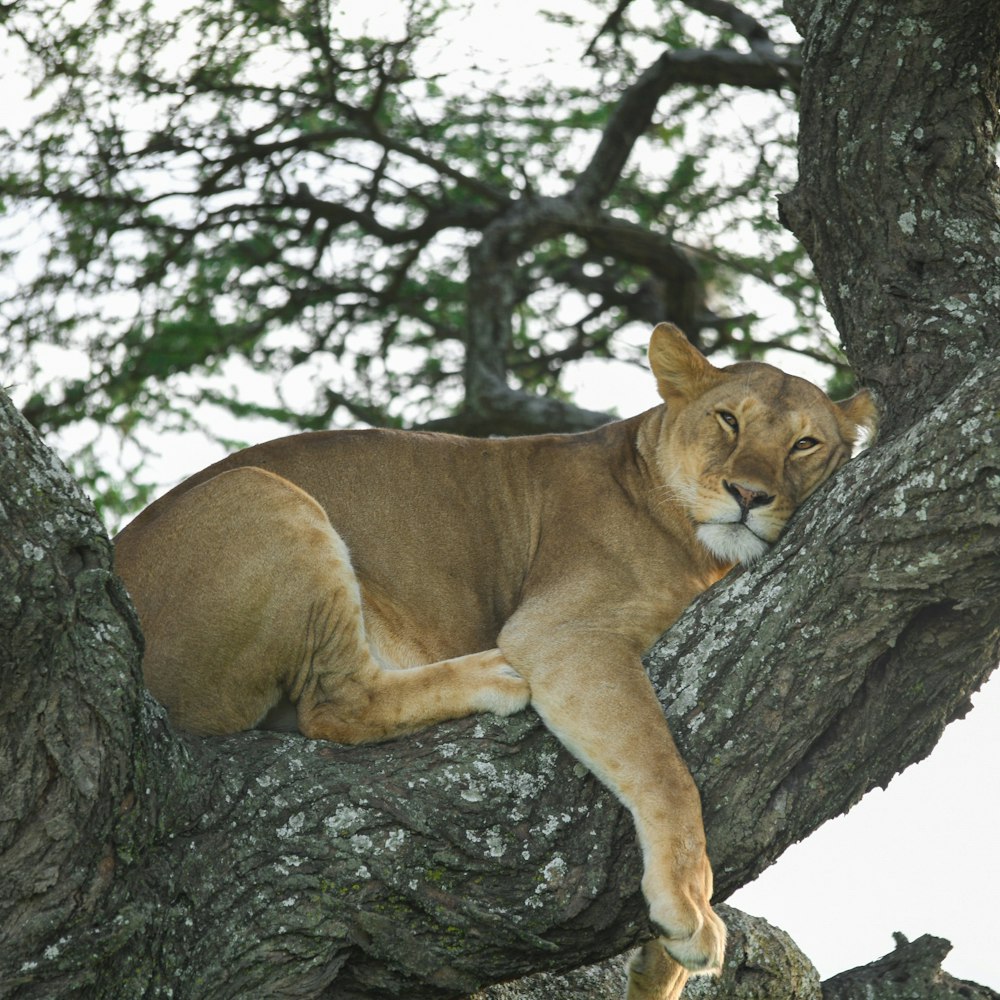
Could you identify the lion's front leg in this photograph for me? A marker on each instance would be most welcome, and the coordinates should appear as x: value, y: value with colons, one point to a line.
x: 604, y: 710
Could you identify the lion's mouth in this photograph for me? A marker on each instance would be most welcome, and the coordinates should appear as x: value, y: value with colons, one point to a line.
x: 732, y: 541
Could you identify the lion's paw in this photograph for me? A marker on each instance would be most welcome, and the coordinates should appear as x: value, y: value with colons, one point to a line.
x: 654, y: 975
x: 698, y: 943
x: 503, y: 690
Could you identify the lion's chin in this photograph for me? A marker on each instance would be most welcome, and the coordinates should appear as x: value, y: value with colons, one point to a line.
x: 732, y: 542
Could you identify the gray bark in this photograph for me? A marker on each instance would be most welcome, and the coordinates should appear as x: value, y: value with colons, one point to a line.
x: 897, y: 195
x: 68, y: 656
x: 138, y: 863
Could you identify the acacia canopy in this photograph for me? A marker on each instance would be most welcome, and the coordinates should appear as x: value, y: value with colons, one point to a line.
x: 284, y: 210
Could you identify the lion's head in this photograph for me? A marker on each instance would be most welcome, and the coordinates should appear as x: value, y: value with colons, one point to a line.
x: 743, y: 446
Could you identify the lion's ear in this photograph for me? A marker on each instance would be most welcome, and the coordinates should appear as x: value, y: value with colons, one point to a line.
x: 861, y: 413
x: 680, y: 368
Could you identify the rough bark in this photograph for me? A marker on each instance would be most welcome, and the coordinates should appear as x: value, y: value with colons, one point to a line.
x: 138, y: 863
x: 897, y: 195
x: 68, y: 654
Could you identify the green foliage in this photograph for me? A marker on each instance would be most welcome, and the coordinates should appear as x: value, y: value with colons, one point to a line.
x: 254, y: 186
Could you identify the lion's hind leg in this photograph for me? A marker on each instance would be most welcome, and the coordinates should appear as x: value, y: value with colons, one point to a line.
x: 376, y: 703
x: 247, y: 596
x: 654, y: 975
x: 342, y: 692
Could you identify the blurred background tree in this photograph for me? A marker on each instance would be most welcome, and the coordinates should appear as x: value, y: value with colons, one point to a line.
x: 326, y: 214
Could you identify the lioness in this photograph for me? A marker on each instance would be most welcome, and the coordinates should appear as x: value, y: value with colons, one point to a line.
x: 314, y: 567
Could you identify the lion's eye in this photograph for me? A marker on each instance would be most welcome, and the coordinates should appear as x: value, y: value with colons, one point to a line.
x: 727, y: 418
x: 804, y: 444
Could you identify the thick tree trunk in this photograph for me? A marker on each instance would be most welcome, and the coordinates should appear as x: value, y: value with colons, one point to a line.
x: 897, y: 195
x: 137, y: 863
x: 68, y: 722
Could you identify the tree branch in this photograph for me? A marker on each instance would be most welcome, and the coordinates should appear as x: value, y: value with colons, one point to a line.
x: 913, y: 969
x: 741, y: 22
x: 508, y: 412
x: 491, y: 405
x: 634, y: 112
x: 744, y: 24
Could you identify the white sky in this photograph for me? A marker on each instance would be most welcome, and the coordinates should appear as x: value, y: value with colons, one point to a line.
x: 920, y: 857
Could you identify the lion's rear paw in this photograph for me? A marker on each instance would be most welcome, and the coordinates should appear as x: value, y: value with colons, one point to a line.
x: 503, y: 690
x: 654, y: 975
x: 510, y: 693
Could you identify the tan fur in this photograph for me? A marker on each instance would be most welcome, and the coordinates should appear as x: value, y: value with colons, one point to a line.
x: 312, y: 568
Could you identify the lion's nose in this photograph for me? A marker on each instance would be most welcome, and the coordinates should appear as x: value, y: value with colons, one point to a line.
x: 747, y: 496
